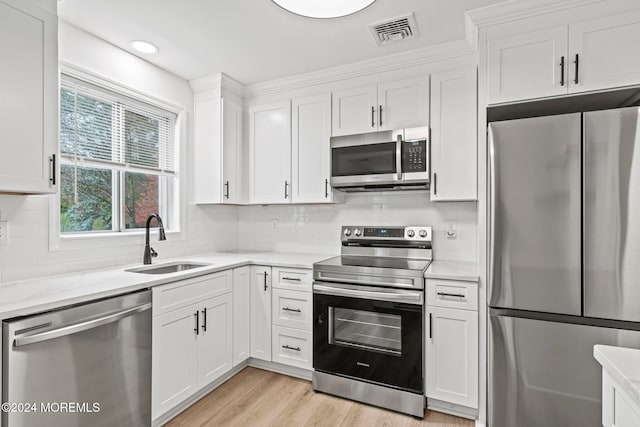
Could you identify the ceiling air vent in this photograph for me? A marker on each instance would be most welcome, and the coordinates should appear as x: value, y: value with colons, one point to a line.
x: 394, y: 30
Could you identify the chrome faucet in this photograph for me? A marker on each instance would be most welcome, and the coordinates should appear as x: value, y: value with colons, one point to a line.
x: 148, y: 250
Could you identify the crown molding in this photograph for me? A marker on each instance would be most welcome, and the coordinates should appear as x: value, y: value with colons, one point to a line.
x: 392, y: 62
x: 512, y: 10
x: 217, y: 82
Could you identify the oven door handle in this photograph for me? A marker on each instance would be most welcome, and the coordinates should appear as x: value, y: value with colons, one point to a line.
x: 390, y: 295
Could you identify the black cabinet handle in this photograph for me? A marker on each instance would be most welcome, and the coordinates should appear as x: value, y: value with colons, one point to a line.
x: 265, y: 280
x: 52, y: 178
x: 577, y: 62
x: 226, y: 195
x: 295, y: 279
x: 373, y: 116
x: 291, y: 348
x: 430, y: 329
x: 197, y: 328
x: 295, y: 310
x: 435, y: 184
x: 562, y: 71
x: 380, y: 116
x: 445, y: 294
x: 204, y: 319
x: 286, y: 189
x: 326, y: 188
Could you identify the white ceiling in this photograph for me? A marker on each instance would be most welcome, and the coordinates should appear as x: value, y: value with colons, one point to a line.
x: 255, y: 40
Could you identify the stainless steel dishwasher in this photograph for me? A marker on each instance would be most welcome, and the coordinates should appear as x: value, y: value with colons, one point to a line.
x: 84, y: 365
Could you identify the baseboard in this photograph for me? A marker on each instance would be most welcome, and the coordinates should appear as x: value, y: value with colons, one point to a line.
x: 292, y: 371
x: 174, y: 412
x: 452, y: 409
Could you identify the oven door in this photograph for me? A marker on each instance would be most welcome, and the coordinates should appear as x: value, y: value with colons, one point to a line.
x: 369, y: 333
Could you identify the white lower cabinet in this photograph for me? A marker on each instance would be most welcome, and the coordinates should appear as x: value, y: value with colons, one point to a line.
x: 192, y: 340
x: 451, y: 347
x: 292, y: 346
x: 241, y: 314
x: 292, y: 308
x: 618, y: 408
x: 261, y: 312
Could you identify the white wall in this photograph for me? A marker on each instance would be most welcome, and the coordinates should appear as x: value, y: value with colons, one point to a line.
x: 205, y: 228
x: 316, y: 228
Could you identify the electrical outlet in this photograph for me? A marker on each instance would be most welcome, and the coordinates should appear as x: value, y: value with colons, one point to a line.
x: 4, y: 232
x: 451, y: 230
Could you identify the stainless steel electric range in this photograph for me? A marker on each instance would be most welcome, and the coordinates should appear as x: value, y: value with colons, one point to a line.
x: 368, y: 309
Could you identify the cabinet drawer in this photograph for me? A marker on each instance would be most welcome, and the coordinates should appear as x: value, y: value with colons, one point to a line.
x: 297, y: 279
x: 292, y: 308
x: 292, y: 347
x: 452, y: 294
x: 179, y: 294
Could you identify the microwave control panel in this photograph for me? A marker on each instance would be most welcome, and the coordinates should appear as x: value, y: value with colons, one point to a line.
x: 414, y: 156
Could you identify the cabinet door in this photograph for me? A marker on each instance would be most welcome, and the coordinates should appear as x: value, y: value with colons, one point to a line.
x: 293, y: 309
x: 261, y: 312
x: 451, y: 352
x: 354, y: 110
x: 292, y: 347
x: 607, y: 52
x: 403, y: 104
x: 310, y: 159
x: 29, y: 88
x: 207, y: 148
x: 528, y: 65
x: 174, y: 353
x: 270, y: 153
x: 241, y: 314
x: 231, y: 152
x: 453, y: 135
x: 215, y: 338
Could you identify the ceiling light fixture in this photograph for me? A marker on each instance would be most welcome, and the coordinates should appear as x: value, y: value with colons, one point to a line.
x: 323, y: 8
x: 143, y: 46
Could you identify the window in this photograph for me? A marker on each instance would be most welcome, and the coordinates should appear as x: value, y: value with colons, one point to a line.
x: 118, y: 159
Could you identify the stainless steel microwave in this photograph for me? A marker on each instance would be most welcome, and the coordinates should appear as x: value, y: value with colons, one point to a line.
x: 392, y: 160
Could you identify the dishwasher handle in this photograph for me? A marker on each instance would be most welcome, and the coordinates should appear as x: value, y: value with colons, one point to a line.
x: 79, y: 327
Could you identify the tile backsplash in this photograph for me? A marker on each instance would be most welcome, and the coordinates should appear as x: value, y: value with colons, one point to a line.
x: 316, y: 228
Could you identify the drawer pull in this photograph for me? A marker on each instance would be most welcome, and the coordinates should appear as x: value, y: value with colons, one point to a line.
x: 446, y: 294
x: 293, y: 279
x: 291, y: 348
x: 296, y: 310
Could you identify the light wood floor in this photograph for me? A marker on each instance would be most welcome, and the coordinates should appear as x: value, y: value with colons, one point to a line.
x: 255, y: 397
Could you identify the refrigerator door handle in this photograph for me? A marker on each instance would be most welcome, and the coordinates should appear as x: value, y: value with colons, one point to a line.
x: 492, y: 207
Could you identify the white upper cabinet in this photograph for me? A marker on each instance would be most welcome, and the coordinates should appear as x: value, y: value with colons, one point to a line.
x: 585, y: 56
x: 270, y: 153
x: 217, y: 150
x: 29, y: 88
x: 354, y: 110
x: 528, y: 65
x: 385, y: 106
x: 607, y: 52
x: 453, y: 135
x: 403, y: 103
x: 310, y: 152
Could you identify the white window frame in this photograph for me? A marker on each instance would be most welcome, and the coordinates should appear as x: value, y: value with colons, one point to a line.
x: 59, y: 241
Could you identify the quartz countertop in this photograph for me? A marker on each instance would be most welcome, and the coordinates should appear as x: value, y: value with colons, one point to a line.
x: 46, y: 293
x: 623, y: 364
x: 453, y: 270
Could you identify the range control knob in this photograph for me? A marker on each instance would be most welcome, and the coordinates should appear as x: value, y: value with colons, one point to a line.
x: 423, y: 233
x: 411, y: 233
x: 347, y: 232
x: 357, y: 232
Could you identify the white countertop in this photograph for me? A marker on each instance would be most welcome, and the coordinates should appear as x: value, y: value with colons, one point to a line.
x: 46, y: 293
x: 623, y: 364
x: 453, y: 270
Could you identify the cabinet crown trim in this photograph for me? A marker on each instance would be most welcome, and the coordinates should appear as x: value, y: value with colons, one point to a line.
x: 508, y: 11
x: 217, y: 82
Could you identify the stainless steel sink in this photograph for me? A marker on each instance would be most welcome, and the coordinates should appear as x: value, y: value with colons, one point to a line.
x: 172, y: 267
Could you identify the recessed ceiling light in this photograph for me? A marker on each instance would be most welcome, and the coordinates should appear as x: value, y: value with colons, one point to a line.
x: 323, y: 8
x: 143, y: 46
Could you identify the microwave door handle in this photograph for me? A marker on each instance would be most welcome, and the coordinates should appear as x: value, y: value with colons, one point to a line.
x: 399, y: 156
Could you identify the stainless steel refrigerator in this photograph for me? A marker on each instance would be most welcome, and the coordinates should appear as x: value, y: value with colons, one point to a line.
x: 564, y: 254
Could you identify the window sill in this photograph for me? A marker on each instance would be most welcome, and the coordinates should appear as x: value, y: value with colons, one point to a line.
x: 99, y: 240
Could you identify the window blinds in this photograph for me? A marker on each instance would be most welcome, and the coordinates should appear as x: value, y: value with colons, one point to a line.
x: 103, y: 129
